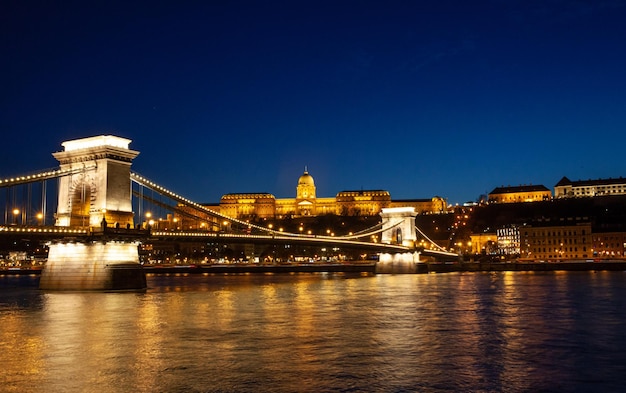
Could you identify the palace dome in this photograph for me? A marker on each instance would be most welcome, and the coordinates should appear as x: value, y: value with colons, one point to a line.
x: 306, y: 180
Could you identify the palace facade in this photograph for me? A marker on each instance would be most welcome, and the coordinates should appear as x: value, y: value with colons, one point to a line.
x: 307, y: 203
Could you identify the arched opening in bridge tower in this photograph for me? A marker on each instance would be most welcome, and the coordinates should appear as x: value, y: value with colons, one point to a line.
x: 398, y: 236
x: 80, y: 205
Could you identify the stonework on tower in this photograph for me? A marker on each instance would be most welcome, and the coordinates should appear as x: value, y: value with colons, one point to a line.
x: 99, y: 186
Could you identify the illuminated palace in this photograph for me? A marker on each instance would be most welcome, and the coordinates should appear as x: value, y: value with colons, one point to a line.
x: 251, y: 206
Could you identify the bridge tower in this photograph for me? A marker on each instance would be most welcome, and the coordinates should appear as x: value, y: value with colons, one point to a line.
x: 399, y: 228
x: 98, y: 195
x: 100, y: 187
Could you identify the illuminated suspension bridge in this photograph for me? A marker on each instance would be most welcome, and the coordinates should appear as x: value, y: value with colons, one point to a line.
x: 29, y: 202
x: 94, y: 193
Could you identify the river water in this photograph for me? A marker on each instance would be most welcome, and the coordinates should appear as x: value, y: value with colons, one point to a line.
x: 470, y: 332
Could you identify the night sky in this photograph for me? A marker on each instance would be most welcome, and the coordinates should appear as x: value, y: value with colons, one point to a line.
x: 419, y: 98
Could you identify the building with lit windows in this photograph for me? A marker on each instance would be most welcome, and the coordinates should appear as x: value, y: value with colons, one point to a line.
x: 609, y: 245
x: 566, y: 188
x: 429, y: 205
x: 554, y: 241
x: 529, y: 193
x: 251, y: 206
x: 508, y: 240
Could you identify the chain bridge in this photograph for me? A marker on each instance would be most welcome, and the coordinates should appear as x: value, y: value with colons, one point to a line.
x: 95, y: 214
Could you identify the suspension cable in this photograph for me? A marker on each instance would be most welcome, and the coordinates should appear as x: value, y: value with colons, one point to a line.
x: 159, y: 189
x: 427, y: 238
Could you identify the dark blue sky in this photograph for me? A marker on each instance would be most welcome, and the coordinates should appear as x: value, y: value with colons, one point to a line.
x: 420, y: 98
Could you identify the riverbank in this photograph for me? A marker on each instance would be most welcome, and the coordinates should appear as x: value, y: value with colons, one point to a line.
x: 370, y: 268
x: 255, y: 268
x: 611, y: 265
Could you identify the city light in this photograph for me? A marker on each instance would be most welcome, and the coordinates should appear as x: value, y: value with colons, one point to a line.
x: 489, y: 240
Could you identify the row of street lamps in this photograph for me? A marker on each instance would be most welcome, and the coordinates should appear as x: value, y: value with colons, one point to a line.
x: 16, y: 217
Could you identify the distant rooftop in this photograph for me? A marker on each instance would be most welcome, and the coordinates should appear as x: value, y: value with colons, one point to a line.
x: 522, y: 188
x: 363, y: 192
x: 585, y: 183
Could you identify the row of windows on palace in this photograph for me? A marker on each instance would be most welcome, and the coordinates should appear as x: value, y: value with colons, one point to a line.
x: 551, y: 243
x: 347, y: 203
x: 306, y: 203
x: 565, y: 188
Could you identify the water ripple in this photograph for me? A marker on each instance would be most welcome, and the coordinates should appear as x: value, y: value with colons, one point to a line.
x: 477, y: 332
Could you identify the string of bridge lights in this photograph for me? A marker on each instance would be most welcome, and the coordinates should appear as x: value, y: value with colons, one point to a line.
x: 285, y: 236
x: 42, y: 230
x: 43, y: 175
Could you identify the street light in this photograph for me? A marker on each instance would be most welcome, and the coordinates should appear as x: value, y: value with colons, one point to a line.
x: 149, y: 221
x: 40, y: 218
x: 15, y: 214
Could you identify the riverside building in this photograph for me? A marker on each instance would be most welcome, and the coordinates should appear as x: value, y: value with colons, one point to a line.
x: 609, y: 245
x: 554, y: 241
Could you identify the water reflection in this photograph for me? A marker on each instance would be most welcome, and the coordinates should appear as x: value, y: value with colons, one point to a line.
x: 309, y: 333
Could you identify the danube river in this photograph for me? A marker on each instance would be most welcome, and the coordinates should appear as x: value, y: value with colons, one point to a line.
x: 469, y: 332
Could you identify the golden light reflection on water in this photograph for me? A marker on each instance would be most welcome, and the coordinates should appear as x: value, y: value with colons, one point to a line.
x: 306, y: 333
x: 30, y: 349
